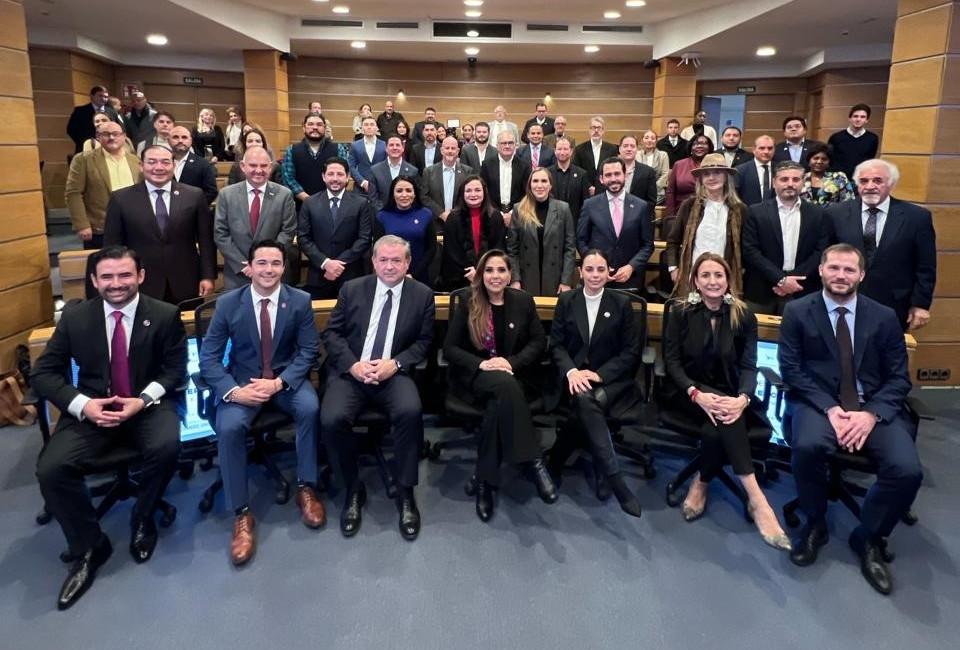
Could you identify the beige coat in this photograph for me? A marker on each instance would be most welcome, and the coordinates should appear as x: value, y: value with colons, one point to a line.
x: 88, y: 188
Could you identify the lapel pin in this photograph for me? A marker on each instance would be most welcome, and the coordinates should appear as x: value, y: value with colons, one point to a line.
x: 283, y: 305
x: 606, y: 314
x: 510, y: 325
x: 416, y: 221
x: 176, y: 192
x: 146, y: 323
x: 630, y: 205
x: 574, y: 174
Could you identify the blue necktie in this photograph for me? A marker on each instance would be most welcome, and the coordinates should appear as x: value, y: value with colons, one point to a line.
x: 381, y: 338
x: 334, y: 207
x: 163, y: 217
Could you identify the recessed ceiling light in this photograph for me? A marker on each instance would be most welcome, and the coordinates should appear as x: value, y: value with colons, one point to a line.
x: 472, y: 13
x: 766, y: 50
x: 633, y: 4
x: 591, y: 49
x: 472, y: 51
x: 611, y: 15
x: 321, y: 0
x: 358, y: 45
x: 473, y: 3
x: 473, y: 33
x: 156, y: 39
x: 341, y: 9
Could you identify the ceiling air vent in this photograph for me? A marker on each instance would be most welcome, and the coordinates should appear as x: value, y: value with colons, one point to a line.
x: 548, y: 28
x: 322, y: 22
x: 622, y: 29
x: 398, y: 25
x: 484, y: 30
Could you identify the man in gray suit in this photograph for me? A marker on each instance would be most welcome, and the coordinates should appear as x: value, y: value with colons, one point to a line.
x: 441, y: 182
x: 474, y: 155
x: 254, y: 210
x: 383, y: 173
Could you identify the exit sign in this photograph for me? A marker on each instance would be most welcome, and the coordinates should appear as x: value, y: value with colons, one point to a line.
x: 746, y: 90
x: 193, y: 81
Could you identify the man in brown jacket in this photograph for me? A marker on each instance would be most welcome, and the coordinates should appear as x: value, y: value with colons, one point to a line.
x: 93, y: 176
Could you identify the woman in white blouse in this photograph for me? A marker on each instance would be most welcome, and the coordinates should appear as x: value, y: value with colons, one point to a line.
x: 709, y: 221
x: 653, y: 157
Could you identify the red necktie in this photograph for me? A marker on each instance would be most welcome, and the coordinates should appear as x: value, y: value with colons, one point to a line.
x: 119, y: 366
x: 266, y: 339
x: 255, y: 212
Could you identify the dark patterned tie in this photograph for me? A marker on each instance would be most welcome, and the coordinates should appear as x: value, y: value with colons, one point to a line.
x: 849, y: 399
x: 766, y: 183
x: 266, y: 339
x: 119, y: 364
x: 334, y: 207
x: 870, y: 234
x: 380, y: 340
x: 163, y: 217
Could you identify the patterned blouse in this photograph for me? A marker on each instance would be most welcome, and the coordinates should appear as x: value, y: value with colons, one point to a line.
x: 834, y: 188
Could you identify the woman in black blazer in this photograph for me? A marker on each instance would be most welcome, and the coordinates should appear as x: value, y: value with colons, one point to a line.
x: 472, y: 214
x: 596, y: 349
x: 494, y: 340
x: 710, y: 348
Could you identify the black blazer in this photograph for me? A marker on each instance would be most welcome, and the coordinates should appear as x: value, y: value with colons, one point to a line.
x: 748, y: 182
x: 674, y: 153
x: 201, y: 173
x: 470, y: 156
x: 547, y: 126
x: 524, y: 341
x: 810, y: 360
x: 418, y: 156
x: 347, y: 328
x: 644, y: 184
x: 686, y: 355
x: 158, y: 352
x: 490, y: 172
x: 740, y: 156
x: 458, y: 245
x: 171, y: 258
x: 762, y: 249
x: 583, y: 158
x: 613, y: 352
x: 80, y: 125
x: 904, y: 268
x: 782, y: 153
x: 348, y: 240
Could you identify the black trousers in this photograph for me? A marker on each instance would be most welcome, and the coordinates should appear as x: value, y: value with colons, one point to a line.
x: 506, y: 432
x: 343, y: 400
x: 73, y: 451
x: 586, y: 427
x: 719, y: 442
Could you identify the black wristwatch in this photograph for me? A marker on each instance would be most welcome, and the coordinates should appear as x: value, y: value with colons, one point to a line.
x: 147, y: 400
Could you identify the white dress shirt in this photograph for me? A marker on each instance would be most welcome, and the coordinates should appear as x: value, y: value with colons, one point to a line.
x: 712, y: 232
x: 856, y: 134
x: 429, y: 154
x: 596, y: 151
x: 394, y: 170
x: 790, y: 227
x: 371, y: 146
x: 152, y: 191
x: 178, y: 166
x: 153, y: 389
x: 760, y: 174
x: 506, y: 180
x: 379, y: 300
x: 274, y: 299
x: 884, y: 210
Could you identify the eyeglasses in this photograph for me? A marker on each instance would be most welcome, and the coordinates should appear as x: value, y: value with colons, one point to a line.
x: 110, y: 135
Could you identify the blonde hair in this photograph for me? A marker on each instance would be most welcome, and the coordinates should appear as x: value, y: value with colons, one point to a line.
x: 527, y: 208
x: 737, y: 307
x: 201, y: 127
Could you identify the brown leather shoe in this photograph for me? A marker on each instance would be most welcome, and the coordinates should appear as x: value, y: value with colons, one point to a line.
x: 244, y: 542
x: 311, y: 508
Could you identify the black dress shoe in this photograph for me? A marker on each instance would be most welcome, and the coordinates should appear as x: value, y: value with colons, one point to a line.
x: 872, y: 565
x: 409, y: 515
x: 625, y: 496
x: 541, y: 478
x: 602, y: 488
x: 485, y: 507
x: 82, y: 573
x: 352, y: 514
x: 807, y: 547
x: 143, y: 539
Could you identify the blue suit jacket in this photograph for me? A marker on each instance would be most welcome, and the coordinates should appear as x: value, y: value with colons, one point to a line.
x: 748, y: 183
x: 904, y: 268
x: 547, y: 157
x: 810, y: 360
x: 295, y: 341
x: 359, y: 163
x: 635, y: 243
x: 380, y: 181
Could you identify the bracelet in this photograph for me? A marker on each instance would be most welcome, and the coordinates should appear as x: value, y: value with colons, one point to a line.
x: 694, y: 393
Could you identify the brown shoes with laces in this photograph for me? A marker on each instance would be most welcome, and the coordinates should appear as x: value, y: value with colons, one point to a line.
x: 244, y: 542
x: 311, y: 508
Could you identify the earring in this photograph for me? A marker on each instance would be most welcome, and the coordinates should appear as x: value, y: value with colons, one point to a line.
x: 694, y: 298
x: 728, y: 298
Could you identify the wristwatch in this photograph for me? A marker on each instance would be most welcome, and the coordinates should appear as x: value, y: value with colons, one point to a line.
x: 782, y: 280
x: 399, y: 365
x: 147, y: 400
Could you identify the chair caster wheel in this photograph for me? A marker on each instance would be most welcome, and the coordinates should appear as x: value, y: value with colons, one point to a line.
x: 909, y: 518
x: 673, y: 499
x: 282, y: 495
x: 43, y: 517
x: 168, y: 517
x: 470, y: 487
x: 206, y: 504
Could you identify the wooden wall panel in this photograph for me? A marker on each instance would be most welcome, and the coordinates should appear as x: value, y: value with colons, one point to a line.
x: 23, y: 260
x: 22, y: 215
x: 26, y: 305
x: 937, y: 355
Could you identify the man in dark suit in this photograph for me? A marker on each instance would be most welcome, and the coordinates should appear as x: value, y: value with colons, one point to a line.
x: 256, y: 209
x: 80, y: 125
x: 730, y: 147
x: 896, y: 238
x: 429, y: 117
x: 620, y: 224
x: 380, y: 329
x: 441, y: 181
x: 506, y: 177
x: 672, y: 143
x: 121, y: 399
x: 383, y: 173
x: 190, y: 169
x: 334, y: 229
x: 541, y: 119
x: 782, y: 242
x: 169, y: 225
x: 274, y: 346
x: 755, y: 177
x: 474, y: 155
x: 590, y: 155
x: 641, y: 180
x: 570, y: 182
x: 795, y: 146
x: 423, y: 154
x: 364, y: 153
x: 844, y: 362
x: 535, y: 153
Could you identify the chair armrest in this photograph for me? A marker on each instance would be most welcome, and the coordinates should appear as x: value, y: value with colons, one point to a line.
x: 772, y: 377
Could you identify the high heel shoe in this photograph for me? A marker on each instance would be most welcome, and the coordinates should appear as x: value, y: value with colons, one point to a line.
x: 692, y: 514
x: 779, y: 541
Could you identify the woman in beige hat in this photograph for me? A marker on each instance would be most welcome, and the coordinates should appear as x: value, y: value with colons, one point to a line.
x: 708, y: 221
